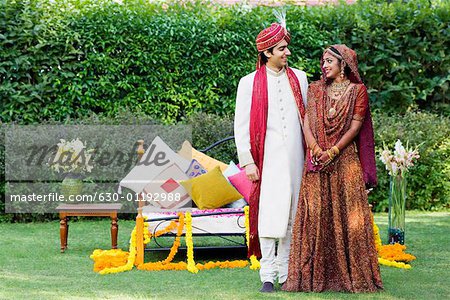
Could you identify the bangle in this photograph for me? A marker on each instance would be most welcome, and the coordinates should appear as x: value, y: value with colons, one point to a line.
x: 335, y: 149
x: 327, y: 162
x: 330, y: 154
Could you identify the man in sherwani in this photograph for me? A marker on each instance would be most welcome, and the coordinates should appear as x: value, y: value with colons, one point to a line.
x: 270, y: 107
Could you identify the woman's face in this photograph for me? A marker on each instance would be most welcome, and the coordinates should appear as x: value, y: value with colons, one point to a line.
x: 331, y: 65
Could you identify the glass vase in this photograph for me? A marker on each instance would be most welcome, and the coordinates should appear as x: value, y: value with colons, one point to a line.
x: 397, y: 200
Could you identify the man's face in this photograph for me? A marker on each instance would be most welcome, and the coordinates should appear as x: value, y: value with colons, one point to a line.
x: 331, y: 66
x: 278, y: 58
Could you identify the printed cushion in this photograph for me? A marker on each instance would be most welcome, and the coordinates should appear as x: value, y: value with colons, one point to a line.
x: 195, y: 169
x: 165, y: 190
x: 211, y: 190
x: 242, y: 184
x: 209, y: 163
x: 146, y: 170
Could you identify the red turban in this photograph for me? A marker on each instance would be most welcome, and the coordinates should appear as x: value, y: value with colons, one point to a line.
x: 269, y: 38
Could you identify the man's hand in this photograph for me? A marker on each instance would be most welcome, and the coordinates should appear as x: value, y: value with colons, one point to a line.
x: 252, y: 172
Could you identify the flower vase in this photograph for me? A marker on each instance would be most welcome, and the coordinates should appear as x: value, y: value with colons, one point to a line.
x: 71, y: 185
x: 397, y: 199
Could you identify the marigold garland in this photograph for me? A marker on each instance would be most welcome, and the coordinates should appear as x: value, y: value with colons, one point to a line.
x: 396, y: 253
x: 190, y: 245
x: 115, y: 261
x: 108, y: 258
x: 103, y: 259
x: 167, y: 229
x: 159, y: 266
x: 166, y: 264
x: 103, y: 268
x: 222, y: 264
x: 395, y: 264
x: 254, y: 263
x: 376, y: 233
x: 391, y: 255
x: 176, y: 243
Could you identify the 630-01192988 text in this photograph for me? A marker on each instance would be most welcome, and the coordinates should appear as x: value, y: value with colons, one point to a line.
x: 96, y: 197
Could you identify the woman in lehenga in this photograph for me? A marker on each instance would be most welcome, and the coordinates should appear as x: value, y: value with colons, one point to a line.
x: 333, y: 245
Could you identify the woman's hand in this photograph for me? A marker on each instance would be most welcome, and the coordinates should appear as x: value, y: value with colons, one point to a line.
x: 252, y: 172
x: 322, y: 157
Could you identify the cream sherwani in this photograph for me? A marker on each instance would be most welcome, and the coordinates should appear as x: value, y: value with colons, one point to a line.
x: 283, y: 154
x: 283, y: 163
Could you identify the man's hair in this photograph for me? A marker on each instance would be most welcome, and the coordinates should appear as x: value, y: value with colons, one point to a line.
x: 264, y: 58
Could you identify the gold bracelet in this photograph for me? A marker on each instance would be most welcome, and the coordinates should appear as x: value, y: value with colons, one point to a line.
x: 335, y: 149
x: 330, y: 154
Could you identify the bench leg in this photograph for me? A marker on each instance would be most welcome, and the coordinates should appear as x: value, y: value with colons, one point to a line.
x: 63, y: 233
x: 114, y: 230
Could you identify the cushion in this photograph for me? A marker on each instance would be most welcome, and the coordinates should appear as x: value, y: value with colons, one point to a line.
x: 241, y: 203
x: 242, y: 184
x: 231, y: 170
x: 195, y: 169
x: 165, y: 190
x: 211, y: 190
x: 146, y: 170
x: 206, y: 161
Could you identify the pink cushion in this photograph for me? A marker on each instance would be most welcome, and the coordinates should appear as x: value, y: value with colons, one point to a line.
x: 242, y: 184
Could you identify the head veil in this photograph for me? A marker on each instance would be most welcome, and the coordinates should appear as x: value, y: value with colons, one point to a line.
x: 365, y: 140
x: 348, y: 57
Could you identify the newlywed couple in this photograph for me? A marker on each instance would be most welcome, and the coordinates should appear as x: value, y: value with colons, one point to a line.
x: 309, y: 152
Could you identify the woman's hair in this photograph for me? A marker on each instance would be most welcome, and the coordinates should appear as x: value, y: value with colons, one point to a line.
x: 335, y: 51
x: 347, y: 68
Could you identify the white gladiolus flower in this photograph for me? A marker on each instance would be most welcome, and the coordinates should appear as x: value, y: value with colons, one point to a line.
x: 77, y: 146
x: 71, y: 157
x: 402, y: 158
x: 385, y: 156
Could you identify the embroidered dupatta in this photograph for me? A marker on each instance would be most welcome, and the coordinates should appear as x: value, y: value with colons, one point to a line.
x: 318, y: 120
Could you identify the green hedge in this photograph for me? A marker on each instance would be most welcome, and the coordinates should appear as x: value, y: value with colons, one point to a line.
x: 62, y: 59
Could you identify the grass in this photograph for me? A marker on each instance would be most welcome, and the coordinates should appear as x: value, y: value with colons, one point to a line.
x: 32, y: 267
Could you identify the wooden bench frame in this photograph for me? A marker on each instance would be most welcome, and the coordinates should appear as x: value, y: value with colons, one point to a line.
x: 140, y: 247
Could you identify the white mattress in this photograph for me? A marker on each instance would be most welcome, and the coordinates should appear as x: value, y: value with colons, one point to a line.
x: 233, y: 223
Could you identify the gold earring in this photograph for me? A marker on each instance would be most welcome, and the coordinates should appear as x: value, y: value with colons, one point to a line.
x: 342, y: 69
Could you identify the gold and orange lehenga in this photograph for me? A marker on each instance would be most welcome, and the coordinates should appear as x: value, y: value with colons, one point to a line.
x: 332, y: 245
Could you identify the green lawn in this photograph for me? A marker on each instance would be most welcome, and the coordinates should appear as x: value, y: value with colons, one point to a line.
x: 31, y: 267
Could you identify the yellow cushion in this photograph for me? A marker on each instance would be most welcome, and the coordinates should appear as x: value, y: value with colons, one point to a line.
x: 211, y: 190
x: 209, y: 163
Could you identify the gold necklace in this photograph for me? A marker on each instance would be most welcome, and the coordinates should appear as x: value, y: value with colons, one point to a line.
x: 337, y: 90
